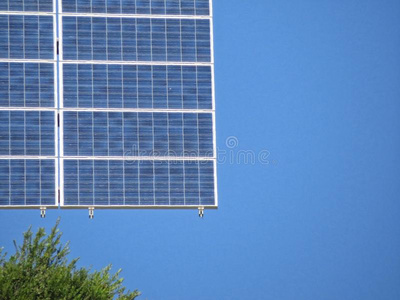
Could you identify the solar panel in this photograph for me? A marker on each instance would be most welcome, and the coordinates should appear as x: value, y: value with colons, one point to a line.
x: 26, y: 84
x: 99, y: 133
x: 138, y: 107
x: 28, y: 110
x: 136, y: 39
x: 27, y: 133
x: 138, y: 183
x: 27, y: 182
x: 154, y: 7
x: 137, y: 86
x: 107, y: 103
x: 26, y: 37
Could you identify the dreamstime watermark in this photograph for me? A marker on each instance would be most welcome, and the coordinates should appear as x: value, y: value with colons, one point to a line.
x: 233, y: 155
x: 199, y: 152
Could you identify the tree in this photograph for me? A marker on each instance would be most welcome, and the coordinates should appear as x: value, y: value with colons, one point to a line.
x: 39, y: 269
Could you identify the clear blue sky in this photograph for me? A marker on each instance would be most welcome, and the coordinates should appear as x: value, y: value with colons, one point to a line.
x: 316, y: 83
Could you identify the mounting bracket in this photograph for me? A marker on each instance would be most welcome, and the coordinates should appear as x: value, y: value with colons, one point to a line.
x: 43, y: 212
x: 201, y: 211
x: 91, y: 212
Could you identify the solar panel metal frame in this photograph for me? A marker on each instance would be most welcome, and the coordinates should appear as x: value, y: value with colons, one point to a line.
x: 108, y: 158
x: 53, y: 109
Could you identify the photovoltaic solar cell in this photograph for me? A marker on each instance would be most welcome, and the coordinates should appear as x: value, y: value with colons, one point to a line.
x: 156, y: 7
x: 25, y: 182
x: 143, y: 86
x: 125, y: 182
x: 26, y: 84
x: 136, y: 39
x: 26, y: 37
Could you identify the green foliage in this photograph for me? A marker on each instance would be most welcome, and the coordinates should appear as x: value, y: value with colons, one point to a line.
x: 40, y: 270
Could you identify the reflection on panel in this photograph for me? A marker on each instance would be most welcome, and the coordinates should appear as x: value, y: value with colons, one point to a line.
x: 118, y: 182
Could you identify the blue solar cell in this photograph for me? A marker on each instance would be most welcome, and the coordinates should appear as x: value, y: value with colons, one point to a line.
x: 85, y: 180
x: 116, y: 178
x: 26, y: 85
x: 203, y: 40
x: 82, y: 6
x: 146, y: 182
x: 138, y: 134
x: 71, y: 191
x: 26, y: 37
x: 192, y: 183
x: 136, y: 39
x: 27, y: 5
x: 202, y: 7
x: 188, y: 7
x: 160, y: 134
x: 101, y: 182
x: 158, y: 40
x: 190, y: 135
x: 206, y: 173
x: 27, y: 133
x: 114, y: 86
x: 130, y: 86
x: 128, y: 6
x: 161, y: 183
x: 114, y: 6
x: 205, y: 134
x: 27, y: 182
x: 144, y: 87
x: 84, y: 31
x: 172, y: 7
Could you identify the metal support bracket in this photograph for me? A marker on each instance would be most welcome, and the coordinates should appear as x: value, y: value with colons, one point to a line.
x: 201, y: 211
x: 91, y: 212
x: 43, y: 212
